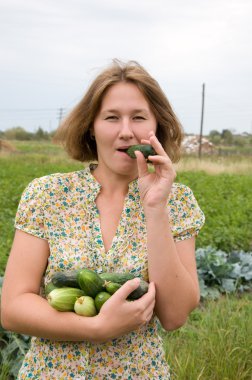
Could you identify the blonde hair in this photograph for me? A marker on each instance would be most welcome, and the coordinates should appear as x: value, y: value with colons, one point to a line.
x: 75, y: 131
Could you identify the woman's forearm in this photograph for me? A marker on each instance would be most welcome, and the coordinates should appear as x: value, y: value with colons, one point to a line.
x: 176, y: 291
x: 31, y: 314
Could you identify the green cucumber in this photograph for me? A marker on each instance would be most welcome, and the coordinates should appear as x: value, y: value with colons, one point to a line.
x: 146, y: 149
x: 66, y: 278
x: 49, y: 287
x: 90, y: 282
x: 63, y: 299
x: 121, y: 278
x: 140, y: 291
x: 100, y: 299
x: 85, y: 306
x: 112, y: 287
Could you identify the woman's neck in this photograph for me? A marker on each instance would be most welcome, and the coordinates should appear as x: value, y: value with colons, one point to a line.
x: 112, y: 183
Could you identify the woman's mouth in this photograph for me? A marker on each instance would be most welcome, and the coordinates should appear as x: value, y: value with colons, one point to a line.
x: 123, y: 150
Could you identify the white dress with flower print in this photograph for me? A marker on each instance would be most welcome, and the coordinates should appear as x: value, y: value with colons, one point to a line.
x: 61, y: 208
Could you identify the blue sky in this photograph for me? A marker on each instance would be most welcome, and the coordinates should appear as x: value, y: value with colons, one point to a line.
x: 51, y: 50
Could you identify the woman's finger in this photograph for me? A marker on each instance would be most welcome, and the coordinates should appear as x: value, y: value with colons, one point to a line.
x: 124, y: 291
x: 148, y: 299
x: 160, y: 160
x: 148, y: 317
x: 154, y: 142
x: 157, y: 145
x: 148, y: 313
x: 141, y: 164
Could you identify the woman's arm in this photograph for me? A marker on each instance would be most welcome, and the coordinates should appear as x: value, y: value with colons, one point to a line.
x: 23, y: 310
x: 172, y: 266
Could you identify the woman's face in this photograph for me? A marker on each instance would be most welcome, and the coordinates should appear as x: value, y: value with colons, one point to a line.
x: 124, y: 119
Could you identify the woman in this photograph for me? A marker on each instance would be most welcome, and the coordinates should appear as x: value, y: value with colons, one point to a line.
x: 117, y: 216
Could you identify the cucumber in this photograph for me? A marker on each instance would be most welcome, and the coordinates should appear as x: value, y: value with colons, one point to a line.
x: 121, y: 278
x: 146, y: 149
x: 100, y: 299
x: 49, y: 287
x: 140, y: 291
x: 63, y: 299
x: 85, y: 306
x: 90, y: 282
x: 112, y: 287
x: 66, y: 278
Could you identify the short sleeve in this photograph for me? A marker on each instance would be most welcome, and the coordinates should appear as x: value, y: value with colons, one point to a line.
x: 30, y: 213
x: 185, y: 214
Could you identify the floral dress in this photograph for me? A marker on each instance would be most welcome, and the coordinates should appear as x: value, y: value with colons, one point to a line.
x: 61, y: 208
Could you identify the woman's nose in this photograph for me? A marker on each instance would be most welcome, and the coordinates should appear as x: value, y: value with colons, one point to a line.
x: 126, y: 130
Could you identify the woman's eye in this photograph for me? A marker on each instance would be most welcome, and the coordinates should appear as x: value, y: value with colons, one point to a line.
x: 139, y: 118
x: 111, y: 117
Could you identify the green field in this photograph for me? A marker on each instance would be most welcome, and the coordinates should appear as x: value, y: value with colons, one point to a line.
x: 216, y: 343
x: 226, y: 199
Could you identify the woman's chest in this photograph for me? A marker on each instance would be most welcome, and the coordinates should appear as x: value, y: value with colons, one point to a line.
x: 105, y: 240
x: 111, y: 213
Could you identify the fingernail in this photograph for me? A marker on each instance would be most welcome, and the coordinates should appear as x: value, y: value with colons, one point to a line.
x: 137, y: 280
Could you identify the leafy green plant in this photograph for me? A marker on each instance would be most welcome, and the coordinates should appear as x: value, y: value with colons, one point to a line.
x: 220, y: 272
x: 13, y: 348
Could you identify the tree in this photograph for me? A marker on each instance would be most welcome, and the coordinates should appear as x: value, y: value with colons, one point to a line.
x: 17, y: 133
x: 41, y: 134
x: 227, y: 136
x: 215, y: 137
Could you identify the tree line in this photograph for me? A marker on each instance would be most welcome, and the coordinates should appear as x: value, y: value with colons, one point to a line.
x: 20, y: 133
x: 226, y: 137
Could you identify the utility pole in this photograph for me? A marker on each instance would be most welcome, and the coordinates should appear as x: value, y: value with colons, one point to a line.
x: 202, y: 118
x: 60, y: 115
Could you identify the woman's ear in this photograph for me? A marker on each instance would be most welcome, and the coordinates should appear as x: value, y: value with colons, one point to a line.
x: 91, y: 132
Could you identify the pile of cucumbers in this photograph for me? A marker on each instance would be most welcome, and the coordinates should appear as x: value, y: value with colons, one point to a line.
x: 84, y: 291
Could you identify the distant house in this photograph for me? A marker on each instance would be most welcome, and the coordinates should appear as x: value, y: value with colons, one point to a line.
x: 190, y: 144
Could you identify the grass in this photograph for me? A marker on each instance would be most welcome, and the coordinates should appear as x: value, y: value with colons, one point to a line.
x: 210, y: 164
x: 213, y: 165
x: 215, y: 344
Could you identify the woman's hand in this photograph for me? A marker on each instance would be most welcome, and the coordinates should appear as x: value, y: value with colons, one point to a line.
x: 155, y: 187
x: 118, y: 316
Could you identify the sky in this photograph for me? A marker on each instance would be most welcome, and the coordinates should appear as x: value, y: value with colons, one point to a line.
x: 51, y: 50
